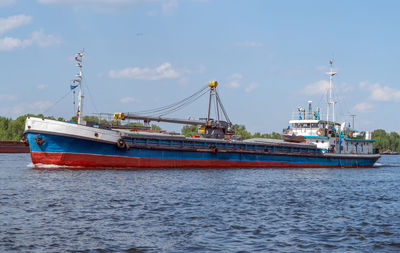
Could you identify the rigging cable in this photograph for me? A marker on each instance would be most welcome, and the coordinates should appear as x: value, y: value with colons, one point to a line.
x: 222, y: 107
x: 183, y: 104
x: 58, y: 101
x: 174, y: 106
x: 91, y: 97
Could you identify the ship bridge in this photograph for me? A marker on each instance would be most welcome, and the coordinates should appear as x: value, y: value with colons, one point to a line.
x: 313, y: 127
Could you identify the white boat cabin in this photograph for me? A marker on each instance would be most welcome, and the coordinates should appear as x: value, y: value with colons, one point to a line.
x: 332, y: 137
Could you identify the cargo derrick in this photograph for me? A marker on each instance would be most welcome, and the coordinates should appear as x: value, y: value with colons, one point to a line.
x: 208, y: 127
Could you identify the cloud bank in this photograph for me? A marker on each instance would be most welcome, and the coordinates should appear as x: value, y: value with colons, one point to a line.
x: 164, y: 71
x: 38, y: 38
x: 12, y: 22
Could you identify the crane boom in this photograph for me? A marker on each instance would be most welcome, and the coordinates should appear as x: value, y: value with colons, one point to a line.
x: 209, y: 127
x: 120, y: 115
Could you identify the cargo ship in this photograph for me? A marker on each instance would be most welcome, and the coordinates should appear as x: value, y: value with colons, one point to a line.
x: 87, y: 145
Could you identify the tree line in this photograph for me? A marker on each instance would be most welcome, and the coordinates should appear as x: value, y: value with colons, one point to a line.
x: 386, y: 141
x: 13, y: 129
x: 240, y: 131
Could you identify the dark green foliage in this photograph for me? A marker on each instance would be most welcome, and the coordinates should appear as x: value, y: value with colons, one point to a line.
x: 386, y: 141
x: 132, y: 124
x: 272, y: 135
x: 190, y: 130
x: 241, y: 131
x: 12, y: 130
x: 155, y: 127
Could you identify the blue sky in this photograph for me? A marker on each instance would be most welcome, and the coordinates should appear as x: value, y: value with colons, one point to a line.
x: 268, y: 56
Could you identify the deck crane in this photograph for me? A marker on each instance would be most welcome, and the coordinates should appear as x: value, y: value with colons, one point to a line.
x: 208, y: 127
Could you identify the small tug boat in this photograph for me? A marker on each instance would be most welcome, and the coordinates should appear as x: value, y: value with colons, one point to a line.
x: 84, y: 145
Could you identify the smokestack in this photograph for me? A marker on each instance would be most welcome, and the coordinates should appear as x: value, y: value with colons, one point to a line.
x: 310, y: 109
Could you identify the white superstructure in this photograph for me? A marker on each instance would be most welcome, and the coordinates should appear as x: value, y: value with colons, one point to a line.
x: 328, y: 135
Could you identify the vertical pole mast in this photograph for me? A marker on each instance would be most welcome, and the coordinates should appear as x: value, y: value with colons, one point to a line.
x: 216, y: 103
x: 209, y: 105
x: 330, y: 101
x: 78, y: 59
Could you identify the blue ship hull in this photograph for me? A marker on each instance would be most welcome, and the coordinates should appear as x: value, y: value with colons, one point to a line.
x: 147, y: 153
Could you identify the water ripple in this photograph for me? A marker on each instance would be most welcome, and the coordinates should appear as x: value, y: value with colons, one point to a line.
x: 225, y: 210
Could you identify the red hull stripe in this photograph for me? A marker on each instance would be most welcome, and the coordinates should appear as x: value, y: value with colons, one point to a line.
x: 99, y: 161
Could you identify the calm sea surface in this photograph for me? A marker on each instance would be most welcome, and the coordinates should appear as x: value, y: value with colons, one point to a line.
x: 226, y: 210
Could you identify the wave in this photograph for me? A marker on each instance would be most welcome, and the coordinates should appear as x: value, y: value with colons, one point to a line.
x: 379, y: 165
x: 50, y: 166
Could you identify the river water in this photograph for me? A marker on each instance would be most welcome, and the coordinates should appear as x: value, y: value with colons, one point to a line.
x: 194, y: 210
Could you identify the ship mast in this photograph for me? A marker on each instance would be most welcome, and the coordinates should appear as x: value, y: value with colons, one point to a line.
x: 330, y: 100
x: 78, y: 59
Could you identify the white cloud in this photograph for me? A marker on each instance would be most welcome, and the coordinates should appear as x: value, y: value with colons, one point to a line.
x: 127, y: 100
x: 43, y: 40
x: 4, y: 3
x: 248, y: 44
x: 252, y: 87
x: 363, y: 84
x: 38, y: 38
x: 164, y: 71
x: 233, y: 84
x: 234, y: 81
x: 317, y: 88
x: 8, y: 44
x: 384, y: 93
x: 363, y: 107
x: 12, y: 22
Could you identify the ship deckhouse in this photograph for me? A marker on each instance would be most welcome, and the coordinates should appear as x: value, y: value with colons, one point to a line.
x: 328, y: 135
x: 315, y: 131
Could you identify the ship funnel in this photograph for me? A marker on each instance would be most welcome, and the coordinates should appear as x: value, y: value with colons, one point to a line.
x: 310, y: 110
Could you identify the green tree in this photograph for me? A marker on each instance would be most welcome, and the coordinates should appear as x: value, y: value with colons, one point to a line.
x: 240, y: 130
x: 189, y: 130
x: 155, y: 127
x: 394, y: 141
x: 381, y: 139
